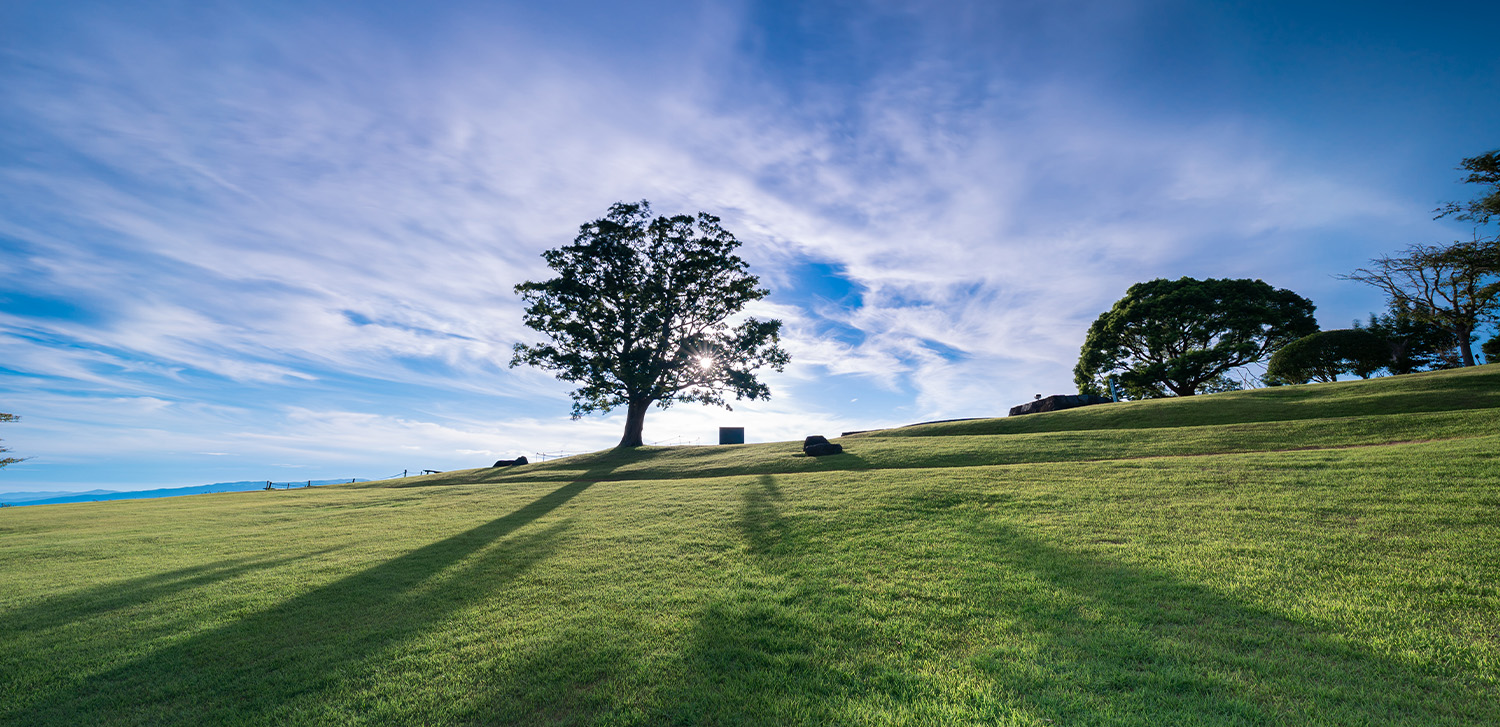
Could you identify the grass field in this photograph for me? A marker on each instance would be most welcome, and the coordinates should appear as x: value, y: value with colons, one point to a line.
x: 1304, y: 555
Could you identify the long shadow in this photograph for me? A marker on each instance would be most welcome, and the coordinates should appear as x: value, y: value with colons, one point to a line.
x: 759, y: 653
x: 277, y: 664
x: 751, y: 656
x: 997, y: 626
x: 115, y: 596
x: 55, y: 628
x: 1124, y: 644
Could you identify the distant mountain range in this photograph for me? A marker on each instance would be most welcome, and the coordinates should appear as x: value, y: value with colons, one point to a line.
x: 10, y: 499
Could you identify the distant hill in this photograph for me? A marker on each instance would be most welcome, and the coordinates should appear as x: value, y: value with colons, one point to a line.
x: 11, y: 499
x: 16, y: 498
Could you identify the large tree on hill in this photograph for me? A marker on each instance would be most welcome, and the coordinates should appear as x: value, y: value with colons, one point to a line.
x: 1182, y: 337
x: 638, y: 315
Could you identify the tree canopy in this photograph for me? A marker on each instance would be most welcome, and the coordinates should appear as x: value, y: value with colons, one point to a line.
x: 638, y: 315
x: 1183, y: 337
x: 1324, y: 355
x: 1483, y: 170
x: 1412, y: 343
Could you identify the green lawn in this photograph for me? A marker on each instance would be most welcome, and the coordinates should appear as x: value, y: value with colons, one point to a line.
x: 1152, y: 563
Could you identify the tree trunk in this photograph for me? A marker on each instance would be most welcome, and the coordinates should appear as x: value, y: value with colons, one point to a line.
x: 1466, y: 347
x: 635, y: 423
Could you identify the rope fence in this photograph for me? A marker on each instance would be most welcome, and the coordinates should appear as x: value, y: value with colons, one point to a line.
x: 270, y: 485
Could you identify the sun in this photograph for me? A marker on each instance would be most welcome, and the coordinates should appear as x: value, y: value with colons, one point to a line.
x: 705, y: 362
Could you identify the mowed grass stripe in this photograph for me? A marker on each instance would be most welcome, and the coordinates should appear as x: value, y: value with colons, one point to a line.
x: 1346, y: 586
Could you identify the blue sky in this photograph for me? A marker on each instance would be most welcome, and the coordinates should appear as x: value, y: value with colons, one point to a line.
x: 278, y: 240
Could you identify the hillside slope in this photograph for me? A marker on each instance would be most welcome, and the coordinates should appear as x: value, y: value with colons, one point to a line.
x: 1326, y: 556
x: 1436, y: 405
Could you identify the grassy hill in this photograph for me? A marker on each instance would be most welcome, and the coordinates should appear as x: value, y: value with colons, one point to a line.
x: 1321, y: 554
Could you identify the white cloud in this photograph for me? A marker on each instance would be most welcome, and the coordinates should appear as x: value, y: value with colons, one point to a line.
x: 285, y: 209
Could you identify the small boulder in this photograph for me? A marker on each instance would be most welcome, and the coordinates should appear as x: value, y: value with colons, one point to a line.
x: 818, y: 446
x: 511, y: 462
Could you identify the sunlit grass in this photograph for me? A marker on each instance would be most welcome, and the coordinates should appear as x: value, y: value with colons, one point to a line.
x: 1337, y: 570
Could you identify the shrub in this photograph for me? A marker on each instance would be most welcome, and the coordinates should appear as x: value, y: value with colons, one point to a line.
x: 1324, y: 355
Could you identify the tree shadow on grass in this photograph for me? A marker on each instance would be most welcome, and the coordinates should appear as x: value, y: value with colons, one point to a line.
x: 60, y: 629
x: 281, y: 664
x: 994, y: 625
x: 753, y: 655
x: 1101, y: 642
x: 606, y: 671
x: 115, y: 596
x: 758, y: 651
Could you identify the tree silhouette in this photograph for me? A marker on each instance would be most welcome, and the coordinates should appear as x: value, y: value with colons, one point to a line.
x: 638, y: 315
x: 1182, y: 337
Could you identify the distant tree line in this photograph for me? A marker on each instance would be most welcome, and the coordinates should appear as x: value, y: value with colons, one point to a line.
x: 1184, y: 337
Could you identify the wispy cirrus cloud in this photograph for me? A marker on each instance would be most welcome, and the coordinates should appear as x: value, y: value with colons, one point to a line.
x: 275, y: 215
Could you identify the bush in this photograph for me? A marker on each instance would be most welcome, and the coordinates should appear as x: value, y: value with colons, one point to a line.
x: 1491, y: 350
x: 1324, y: 355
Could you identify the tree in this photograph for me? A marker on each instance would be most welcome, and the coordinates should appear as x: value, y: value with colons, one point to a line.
x: 1324, y: 355
x: 1183, y: 337
x: 8, y: 460
x: 1491, y: 350
x: 1412, y: 343
x: 1456, y: 287
x: 1483, y: 169
x: 638, y: 316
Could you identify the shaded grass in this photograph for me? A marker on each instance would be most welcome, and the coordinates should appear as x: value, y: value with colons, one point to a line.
x: 1342, y: 586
